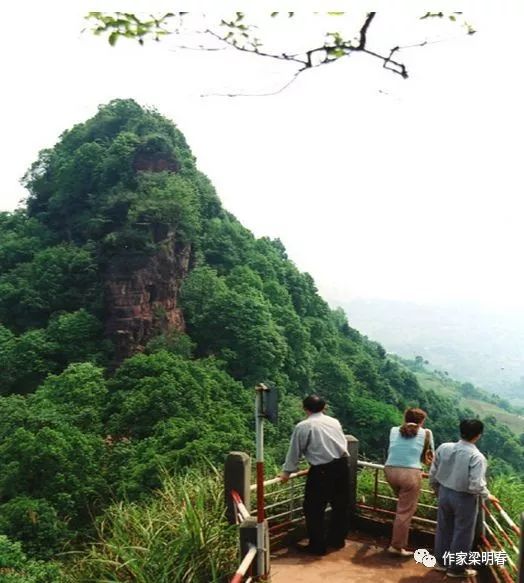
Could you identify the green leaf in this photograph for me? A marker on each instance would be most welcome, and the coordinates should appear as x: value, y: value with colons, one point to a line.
x: 112, y: 38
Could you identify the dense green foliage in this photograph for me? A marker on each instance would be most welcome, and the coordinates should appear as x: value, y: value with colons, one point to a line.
x: 75, y: 434
x: 15, y: 567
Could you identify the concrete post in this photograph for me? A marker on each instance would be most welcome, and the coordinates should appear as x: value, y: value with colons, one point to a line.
x: 237, y: 476
x: 248, y: 535
x: 352, y: 462
x: 521, y: 550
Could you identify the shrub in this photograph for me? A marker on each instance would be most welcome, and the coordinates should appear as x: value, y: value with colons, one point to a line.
x: 16, y: 568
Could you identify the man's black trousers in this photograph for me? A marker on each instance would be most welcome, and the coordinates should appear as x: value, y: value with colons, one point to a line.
x: 327, y: 484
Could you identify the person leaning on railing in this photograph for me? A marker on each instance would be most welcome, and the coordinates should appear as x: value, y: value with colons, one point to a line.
x: 458, y: 476
x: 321, y: 440
x: 409, y: 446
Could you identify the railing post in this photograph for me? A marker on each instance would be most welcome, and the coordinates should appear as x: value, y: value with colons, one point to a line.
x: 262, y: 526
x: 292, y: 500
x: 237, y: 476
x: 248, y: 536
x: 480, y: 529
x: 521, y: 550
x: 352, y: 462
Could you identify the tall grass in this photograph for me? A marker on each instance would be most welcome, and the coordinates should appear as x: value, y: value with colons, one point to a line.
x: 510, y: 491
x: 179, y: 536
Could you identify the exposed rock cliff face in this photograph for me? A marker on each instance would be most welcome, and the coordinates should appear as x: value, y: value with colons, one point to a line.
x: 146, y: 161
x: 142, y: 300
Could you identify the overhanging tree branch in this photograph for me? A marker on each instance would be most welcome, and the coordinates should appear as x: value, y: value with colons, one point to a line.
x: 235, y: 33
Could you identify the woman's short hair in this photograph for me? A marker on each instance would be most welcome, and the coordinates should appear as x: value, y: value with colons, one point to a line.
x: 413, y: 417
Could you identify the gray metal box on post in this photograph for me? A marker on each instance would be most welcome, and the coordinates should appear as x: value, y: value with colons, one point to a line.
x: 353, y: 468
x: 237, y: 476
x: 248, y: 536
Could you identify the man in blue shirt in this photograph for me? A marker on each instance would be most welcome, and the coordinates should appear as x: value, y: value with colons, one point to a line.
x: 320, y: 439
x: 458, y: 476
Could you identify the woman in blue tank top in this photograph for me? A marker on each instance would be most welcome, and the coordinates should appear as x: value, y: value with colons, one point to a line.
x: 407, y: 447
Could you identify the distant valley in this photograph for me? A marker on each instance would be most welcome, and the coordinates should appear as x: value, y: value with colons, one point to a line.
x: 484, y: 348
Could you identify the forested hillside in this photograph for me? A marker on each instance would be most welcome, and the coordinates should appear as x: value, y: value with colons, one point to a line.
x: 136, y: 316
x: 466, y: 395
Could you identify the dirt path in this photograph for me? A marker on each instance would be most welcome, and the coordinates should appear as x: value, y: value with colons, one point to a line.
x: 360, y: 561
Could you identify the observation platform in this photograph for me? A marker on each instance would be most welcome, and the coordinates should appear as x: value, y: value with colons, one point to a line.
x: 363, y: 560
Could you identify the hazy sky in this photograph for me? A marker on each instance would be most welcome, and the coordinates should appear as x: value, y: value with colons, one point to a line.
x: 379, y: 187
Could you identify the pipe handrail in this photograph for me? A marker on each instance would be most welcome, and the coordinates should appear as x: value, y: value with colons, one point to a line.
x: 500, y: 545
x: 245, y: 564
x: 521, y: 550
x: 504, y: 572
x: 281, y: 503
x: 371, y: 465
x: 499, y: 527
x: 506, y: 517
x: 277, y: 480
x: 241, y: 507
x: 301, y: 473
x: 374, y: 466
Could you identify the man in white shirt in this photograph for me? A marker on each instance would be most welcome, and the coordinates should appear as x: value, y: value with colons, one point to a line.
x: 320, y: 439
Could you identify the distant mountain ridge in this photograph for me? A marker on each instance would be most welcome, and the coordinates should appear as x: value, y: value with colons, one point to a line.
x: 470, y: 344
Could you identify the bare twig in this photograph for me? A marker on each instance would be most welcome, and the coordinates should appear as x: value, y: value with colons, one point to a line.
x: 268, y: 94
x: 197, y: 48
x: 256, y: 50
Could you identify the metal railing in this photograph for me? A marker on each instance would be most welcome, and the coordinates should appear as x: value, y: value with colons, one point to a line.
x: 241, y: 511
x: 245, y: 565
x: 241, y: 514
x: 501, y: 535
x: 496, y: 532
x: 283, y: 505
x: 521, y: 550
x: 377, y: 494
